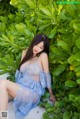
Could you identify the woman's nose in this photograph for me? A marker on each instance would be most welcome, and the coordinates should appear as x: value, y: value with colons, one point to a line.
x: 37, y: 48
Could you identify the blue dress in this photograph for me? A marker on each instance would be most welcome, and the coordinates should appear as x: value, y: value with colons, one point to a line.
x: 32, y: 81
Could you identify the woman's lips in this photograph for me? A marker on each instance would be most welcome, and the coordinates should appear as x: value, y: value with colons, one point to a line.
x: 35, y: 51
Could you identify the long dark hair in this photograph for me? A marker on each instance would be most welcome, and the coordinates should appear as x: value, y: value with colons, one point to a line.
x: 37, y: 39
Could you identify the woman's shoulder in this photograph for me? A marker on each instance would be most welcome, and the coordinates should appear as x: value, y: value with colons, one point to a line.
x: 43, y: 55
x: 44, y: 61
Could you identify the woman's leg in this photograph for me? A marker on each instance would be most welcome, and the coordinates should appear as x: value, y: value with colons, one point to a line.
x: 7, y: 88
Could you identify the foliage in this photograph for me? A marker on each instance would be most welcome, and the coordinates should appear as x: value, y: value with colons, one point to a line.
x: 62, y: 25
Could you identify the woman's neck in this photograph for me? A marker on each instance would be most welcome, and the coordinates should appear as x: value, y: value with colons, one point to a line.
x: 33, y: 58
x: 34, y: 55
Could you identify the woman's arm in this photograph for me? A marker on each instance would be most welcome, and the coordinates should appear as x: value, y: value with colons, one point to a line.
x: 45, y: 65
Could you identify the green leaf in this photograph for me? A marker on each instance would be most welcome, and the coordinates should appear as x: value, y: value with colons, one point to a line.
x: 66, y: 115
x: 75, y: 57
x: 3, y: 72
x: 48, y: 105
x: 3, y: 19
x: 28, y: 33
x: 72, y: 97
x: 46, y: 116
x: 78, y: 81
x: 58, y: 52
x: 53, y: 32
x: 64, y: 45
x: 2, y: 27
x: 59, y: 69
x: 71, y: 59
x: 20, y: 27
x: 76, y: 115
x: 30, y: 3
x: 13, y: 2
x: 77, y: 99
x: 70, y: 83
x: 5, y: 38
x: 45, y: 11
x: 44, y: 26
x: 76, y: 27
x: 77, y: 68
x: 62, y: 15
x: 78, y: 43
x: 71, y: 9
x: 78, y: 73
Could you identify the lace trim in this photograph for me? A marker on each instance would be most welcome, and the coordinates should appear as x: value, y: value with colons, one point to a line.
x: 45, y: 79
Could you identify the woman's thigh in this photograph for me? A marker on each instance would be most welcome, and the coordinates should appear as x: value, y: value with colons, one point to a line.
x: 11, y: 87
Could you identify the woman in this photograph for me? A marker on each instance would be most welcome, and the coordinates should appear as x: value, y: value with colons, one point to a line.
x: 32, y: 77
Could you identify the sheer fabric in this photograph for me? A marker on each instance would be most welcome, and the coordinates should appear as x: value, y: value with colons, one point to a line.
x: 33, y: 81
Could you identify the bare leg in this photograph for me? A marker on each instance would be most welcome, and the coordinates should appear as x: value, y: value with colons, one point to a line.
x: 3, y: 98
x: 7, y: 88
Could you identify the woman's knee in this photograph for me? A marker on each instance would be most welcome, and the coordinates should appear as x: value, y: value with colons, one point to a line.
x: 3, y: 83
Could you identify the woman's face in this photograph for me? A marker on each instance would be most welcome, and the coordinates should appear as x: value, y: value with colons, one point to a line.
x: 38, y: 48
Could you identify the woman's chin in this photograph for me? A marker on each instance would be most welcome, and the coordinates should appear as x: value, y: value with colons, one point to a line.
x: 34, y: 54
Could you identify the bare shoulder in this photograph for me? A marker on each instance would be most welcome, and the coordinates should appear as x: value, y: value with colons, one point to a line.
x: 44, y: 61
x: 43, y: 56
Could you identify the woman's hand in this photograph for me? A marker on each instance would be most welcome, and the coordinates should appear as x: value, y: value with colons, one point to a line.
x: 52, y: 98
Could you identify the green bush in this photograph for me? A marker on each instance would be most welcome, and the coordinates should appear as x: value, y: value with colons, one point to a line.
x: 61, y: 23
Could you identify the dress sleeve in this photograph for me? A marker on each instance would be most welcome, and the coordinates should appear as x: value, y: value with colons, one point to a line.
x: 48, y: 79
x: 18, y: 75
x: 45, y: 79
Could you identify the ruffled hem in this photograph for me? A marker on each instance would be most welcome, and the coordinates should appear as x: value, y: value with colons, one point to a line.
x: 24, y: 103
x: 34, y: 85
x: 27, y: 81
